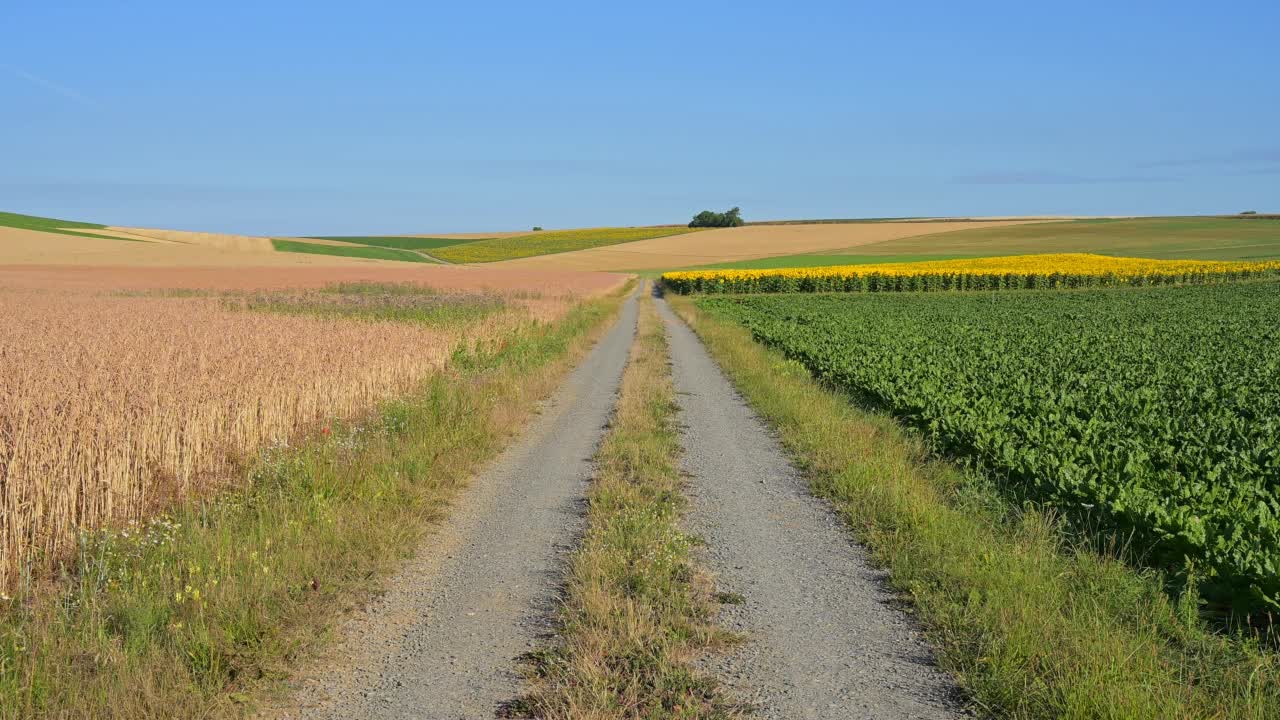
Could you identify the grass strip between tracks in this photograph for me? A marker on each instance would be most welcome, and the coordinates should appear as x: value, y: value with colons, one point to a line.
x: 637, y: 612
x: 1031, y: 624
x: 203, y: 610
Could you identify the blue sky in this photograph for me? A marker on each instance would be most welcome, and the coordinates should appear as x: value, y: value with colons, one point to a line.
x: 382, y: 117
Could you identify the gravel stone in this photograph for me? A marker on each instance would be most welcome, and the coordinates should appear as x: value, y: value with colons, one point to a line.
x: 825, y: 637
x: 442, y: 643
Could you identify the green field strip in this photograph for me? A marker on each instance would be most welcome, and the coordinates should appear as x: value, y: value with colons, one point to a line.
x: 1200, y: 238
x: 357, y: 251
x: 1171, y: 238
x: 552, y: 242
x: 54, y: 225
x: 397, y: 242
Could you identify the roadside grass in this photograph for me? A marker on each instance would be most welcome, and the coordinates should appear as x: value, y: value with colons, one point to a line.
x: 1173, y: 238
x: 199, y: 612
x: 359, y: 251
x: 53, y: 225
x: 552, y: 241
x: 1032, y: 623
x: 401, y: 243
x: 637, y: 610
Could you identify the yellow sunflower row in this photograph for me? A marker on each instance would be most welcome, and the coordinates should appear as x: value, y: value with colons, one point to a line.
x: 992, y: 273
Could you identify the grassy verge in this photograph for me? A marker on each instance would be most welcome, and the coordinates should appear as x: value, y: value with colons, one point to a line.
x: 1031, y: 625
x: 196, y: 612
x: 637, y: 612
x: 360, y: 251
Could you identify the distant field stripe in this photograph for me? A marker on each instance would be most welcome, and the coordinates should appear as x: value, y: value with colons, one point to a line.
x: 1173, y: 238
x: 551, y: 242
x: 54, y: 225
x: 360, y: 251
x: 819, y: 260
x: 34, y: 222
x: 401, y: 243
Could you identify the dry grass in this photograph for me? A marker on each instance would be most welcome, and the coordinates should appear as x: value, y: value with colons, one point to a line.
x: 112, y: 407
x: 638, y: 611
x: 742, y: 243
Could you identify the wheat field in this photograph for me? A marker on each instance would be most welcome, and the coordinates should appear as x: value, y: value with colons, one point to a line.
x: 113, y: 407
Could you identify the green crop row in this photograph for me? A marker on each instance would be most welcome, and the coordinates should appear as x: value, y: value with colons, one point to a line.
x: 360, y: 251
x: 1153, y: 413
x: 396, y: 241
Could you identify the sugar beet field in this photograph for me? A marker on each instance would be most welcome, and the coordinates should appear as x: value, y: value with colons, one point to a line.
x: 1152, y: 413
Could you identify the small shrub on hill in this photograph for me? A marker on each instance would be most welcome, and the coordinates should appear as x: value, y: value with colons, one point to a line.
x: 707, y: 218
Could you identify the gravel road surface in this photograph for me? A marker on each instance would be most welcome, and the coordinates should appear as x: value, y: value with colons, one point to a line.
x: 824, y: 639
x: 442, y: 643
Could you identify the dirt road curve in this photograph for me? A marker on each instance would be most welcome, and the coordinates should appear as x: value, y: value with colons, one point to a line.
x: 823, y: 640
x: 442, y: 643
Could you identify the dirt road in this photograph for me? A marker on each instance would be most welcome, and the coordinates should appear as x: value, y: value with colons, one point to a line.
x: 823, y: 637
x: 442, y: 643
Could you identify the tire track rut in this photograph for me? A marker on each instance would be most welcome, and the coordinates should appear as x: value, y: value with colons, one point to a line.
x: 442, y: 642
x: 823, y: 638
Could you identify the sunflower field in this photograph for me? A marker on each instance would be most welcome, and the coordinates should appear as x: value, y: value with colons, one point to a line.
x: 1016, y: 272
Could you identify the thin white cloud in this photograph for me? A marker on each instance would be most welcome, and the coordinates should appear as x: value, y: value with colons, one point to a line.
x: 64, y: 91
